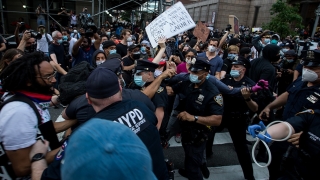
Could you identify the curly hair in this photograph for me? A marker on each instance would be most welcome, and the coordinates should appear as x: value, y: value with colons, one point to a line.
x: 22, y: 71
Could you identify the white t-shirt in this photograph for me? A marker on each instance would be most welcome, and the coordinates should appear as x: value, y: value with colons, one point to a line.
x: 42, y: 44
x: 71, y: 43
x: 18, y: 125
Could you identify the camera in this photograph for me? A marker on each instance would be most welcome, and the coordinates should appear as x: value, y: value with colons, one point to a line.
x: 87, y: 23
x: 229, y: 27
x: 35, y: 34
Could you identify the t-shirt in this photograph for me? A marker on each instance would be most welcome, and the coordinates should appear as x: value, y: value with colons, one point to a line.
x: 141, y: 121
x: 42, y: 44
x: 127, y: 75
x: 71, y: 43
x: 83, y: 56
x: 122, y: 49
x: 216, y: 63
x: 18, y: 125
x: 58, y: 50
x: 182, y: 68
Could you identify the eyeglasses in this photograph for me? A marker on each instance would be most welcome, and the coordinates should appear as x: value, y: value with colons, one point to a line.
x: 49, y: 77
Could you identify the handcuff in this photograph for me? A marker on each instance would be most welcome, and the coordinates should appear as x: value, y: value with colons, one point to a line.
x: 265, y: 144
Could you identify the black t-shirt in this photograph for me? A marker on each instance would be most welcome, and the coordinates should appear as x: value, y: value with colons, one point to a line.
x: 82, y: 111
x: 58, y: 50
x: 127, y: 75
x: 122, y: 49
x: 141, y: 121
x: 227, y: 64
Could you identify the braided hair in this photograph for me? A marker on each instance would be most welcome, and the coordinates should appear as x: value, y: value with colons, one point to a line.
x: 22, y: 71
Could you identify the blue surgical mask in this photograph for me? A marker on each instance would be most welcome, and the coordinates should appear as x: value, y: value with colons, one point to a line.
x: 273, y: 41
x: 59, y: 41
x: 64, y: 38
x: 143, y: 49
x: 138, y: 81
x: 108, y: 33
x: 231, y: 56
x: 113, y: 51
x: 208, y: 76
x: 194, y: 78
x: 266, y: 41
x: 290, y: 60
x: 235, y: 73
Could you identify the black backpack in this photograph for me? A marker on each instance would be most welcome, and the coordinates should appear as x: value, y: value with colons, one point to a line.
x: 73, y: 84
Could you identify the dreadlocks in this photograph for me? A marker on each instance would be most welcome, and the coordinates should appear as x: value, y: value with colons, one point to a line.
x: 22, y: 71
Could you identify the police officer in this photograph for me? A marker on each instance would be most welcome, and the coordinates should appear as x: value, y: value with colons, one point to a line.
x: 236, y: 112
x: 305, y: 160
x: 143, y: 77
x: 200, y: 106
x: 104, y: 94
x: 302, y: 94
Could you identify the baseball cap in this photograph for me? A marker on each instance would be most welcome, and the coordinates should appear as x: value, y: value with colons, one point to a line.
x: 112, y: 151
x: 131, y: 47
x: 113, y: 65
x: 107, y: 44
x: 102, y: 83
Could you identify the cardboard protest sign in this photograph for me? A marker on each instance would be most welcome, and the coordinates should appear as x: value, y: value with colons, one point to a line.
x: 234, y: 21
x: 173, y: 21
x: 201, y: 31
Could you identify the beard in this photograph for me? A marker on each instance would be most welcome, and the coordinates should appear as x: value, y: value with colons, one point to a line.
x: 41, y: 89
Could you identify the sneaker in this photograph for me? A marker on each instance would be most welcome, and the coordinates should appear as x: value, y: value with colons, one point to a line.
x: 177, y: 138
x: 205, y: 171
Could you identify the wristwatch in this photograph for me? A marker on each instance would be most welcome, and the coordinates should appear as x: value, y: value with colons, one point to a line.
x: 249, y: 99
x: 195, y: 118
x: 37, y: 157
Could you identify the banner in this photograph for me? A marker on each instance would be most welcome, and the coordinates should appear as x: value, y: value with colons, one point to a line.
x: 201, y: 31
x: 213, y: 17
x: 173, y: 21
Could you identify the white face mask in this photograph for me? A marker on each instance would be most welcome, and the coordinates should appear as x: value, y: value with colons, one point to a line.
x: 309, y: 75
x: 211, y: 49
x: 129, y: 43
x: 100, y: 62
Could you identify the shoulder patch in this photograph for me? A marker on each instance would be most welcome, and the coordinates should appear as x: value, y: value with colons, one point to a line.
x: 160, y: 89
x: 219, y: 99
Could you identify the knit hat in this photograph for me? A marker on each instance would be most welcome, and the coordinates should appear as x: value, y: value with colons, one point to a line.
x: 103, y: 149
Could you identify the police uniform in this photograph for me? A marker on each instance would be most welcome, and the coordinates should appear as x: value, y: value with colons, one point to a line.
x: 306, y: 158
x: 205, y: 100
x: 143, y: 122
x: 236, y: 113
x: 301, y: 97
x: 160, y: 98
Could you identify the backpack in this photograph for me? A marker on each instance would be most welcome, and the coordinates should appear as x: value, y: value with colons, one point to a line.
x: 73, y: 84
x: 47, y: 132
x: 46, y: 35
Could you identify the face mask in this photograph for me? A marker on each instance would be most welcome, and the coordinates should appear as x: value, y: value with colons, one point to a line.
x: 143, y: 50
x: 130, y: 43
x: 211, y: 49
x: 194, y: 78
x: 285, y: 50
x: 266, y: 41
x: 290, y: 60
x: 100, y: 62
x: 207, y: 77
x: 42, y: 31
x: 129, y: 39
x: 113, y: 51
x: 93, y: 40
x: 309, y: 75
x: 231, y: 56
x: 235, y: 73
x: 138, y: 81
x: 64, y: 38
x: 136, y: 55
x: 108, y: 33
x: 188, y: 60
x: 273, y: 41
x: 157, y: 73
x: 59, y: 41
x: 75, y: 31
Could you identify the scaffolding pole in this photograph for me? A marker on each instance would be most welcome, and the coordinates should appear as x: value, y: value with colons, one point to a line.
x: 2, y: 19
x: 113, y: 7
x: 48, y: 24
x: 99, y: 21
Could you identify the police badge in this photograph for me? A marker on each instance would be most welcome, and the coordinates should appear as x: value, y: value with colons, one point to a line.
x: 219, y: 99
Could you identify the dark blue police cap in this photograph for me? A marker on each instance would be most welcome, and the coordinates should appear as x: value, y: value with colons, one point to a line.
x: 242, y: 61
x: 312, y: 58
x: 200, y: 63
x: 146, y: 65
x: 113, y: 65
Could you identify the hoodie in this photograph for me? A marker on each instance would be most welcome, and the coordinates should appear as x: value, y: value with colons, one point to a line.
x: 94, y: 55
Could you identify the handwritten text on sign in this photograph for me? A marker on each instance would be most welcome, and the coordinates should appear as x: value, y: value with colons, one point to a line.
x: 173, y: 21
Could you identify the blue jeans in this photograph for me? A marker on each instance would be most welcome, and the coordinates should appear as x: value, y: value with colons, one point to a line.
x: 41, y: 21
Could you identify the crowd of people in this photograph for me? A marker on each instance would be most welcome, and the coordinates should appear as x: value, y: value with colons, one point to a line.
x: 187, y: 88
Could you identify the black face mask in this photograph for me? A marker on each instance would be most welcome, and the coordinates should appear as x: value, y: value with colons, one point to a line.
x: 135, y: 56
